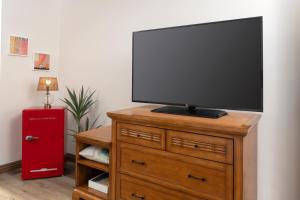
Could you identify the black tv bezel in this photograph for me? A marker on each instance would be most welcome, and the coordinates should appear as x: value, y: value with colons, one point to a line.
x: 199, y: 106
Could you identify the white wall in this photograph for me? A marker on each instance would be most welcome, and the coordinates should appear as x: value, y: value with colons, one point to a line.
x: 90, y: 44
x: 279, y: 147
x: 40, y: 21
x: 96, y: 52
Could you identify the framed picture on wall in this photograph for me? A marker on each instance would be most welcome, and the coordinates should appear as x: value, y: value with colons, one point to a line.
x: 18, y: 46
x: 41, y: 61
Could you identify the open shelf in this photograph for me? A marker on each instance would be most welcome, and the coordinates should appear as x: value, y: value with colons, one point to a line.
x: 93, y: 164
x: 89, y: 191
x: 88, y: 169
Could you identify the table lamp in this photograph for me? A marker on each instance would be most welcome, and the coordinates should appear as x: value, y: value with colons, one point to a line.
x: 48, y: 84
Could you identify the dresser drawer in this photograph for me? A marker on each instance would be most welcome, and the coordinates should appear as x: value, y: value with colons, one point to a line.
x: 135, y: 189
x: 202, y: 178
x: 142, y: 135
x: 201, y: 146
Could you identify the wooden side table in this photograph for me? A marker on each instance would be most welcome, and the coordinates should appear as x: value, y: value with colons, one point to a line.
x: 87, y: 169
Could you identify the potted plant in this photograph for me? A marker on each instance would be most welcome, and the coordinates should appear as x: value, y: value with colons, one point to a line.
x: 79, y: 105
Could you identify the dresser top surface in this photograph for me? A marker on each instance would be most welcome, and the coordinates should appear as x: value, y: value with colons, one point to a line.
x: 101, y: 135
x: 236, y: 123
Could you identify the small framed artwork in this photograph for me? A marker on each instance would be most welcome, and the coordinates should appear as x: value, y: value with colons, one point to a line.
x: 18, y: 46
x: 41, y: 61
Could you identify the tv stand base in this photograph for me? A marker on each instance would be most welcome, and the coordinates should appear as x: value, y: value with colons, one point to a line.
x: 191, y: 111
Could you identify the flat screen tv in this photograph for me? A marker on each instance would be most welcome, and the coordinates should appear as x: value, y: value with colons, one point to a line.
x: 203, y: 67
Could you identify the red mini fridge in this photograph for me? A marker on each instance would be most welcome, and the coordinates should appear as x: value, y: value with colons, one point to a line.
x: 42, y: 142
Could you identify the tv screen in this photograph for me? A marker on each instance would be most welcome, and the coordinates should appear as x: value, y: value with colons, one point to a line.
x: 211, y: 65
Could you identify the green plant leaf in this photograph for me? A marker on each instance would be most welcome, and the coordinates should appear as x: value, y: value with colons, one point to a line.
x: 79, y: 106
x: 74, y: 115
x: 70, y: 94
x: 94, y: 122
x: 81, y: 96
x: 70, y: 105
x: 89, y: 97
x: 75, y: 98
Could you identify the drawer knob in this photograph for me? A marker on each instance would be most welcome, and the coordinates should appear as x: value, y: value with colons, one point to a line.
x: 136, y: 196
x: 196, y: 146
x: 202, y: 179
x: 138, y: 162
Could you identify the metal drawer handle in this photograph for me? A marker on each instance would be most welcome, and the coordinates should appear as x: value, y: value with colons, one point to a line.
x: 138, y: 162
x: 202, y: 179
x: 43, y: 170
x: 136, y: 196
x: 30, y: 138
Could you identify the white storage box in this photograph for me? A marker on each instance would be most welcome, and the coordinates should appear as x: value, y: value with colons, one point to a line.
x: 100, y: 183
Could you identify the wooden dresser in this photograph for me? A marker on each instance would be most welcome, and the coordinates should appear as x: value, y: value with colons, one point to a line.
x: 170, y: 157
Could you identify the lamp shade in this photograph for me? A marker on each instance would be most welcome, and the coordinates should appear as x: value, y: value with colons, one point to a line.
x: 51, y: 82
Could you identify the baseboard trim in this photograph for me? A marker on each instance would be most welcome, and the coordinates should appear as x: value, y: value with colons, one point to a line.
x: 10, y: 166
x: 70, y: 157
x: 18, y: 164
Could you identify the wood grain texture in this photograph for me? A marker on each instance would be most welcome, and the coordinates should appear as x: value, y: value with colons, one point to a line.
x: 86, y: 193
x: 250, y: 165
x: 99, y: 137
x: 13, y: 188
x: 220, y: 151
x: 18, y: 164
x: 10, y: 166
x: 190, y: 175
x: 132, y: 188
x: 87, y: 169
x: 141, y: 135
x: 201, y: 146
x: 238, y: 168
x: 113, y: 162
x: 93, y: 164
x: 70, y: 157
x: 234, y: 123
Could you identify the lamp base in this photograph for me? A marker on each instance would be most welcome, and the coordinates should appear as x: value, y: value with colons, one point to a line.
x: 47, y: 106
x: 48, y: 100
